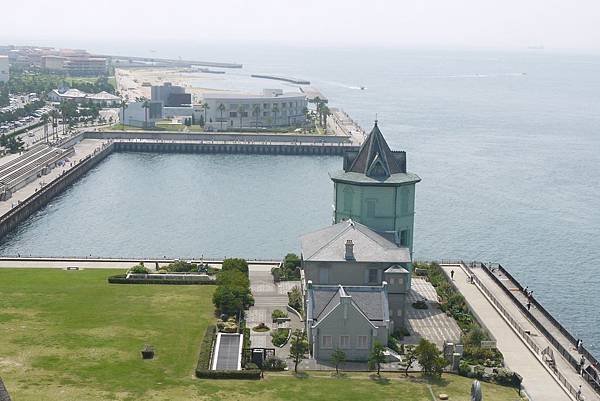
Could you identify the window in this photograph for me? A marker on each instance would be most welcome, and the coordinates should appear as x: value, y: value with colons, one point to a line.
x: 265, y: 113
x: 373, y: 275
x: 232, y: 114
x: 404, y: 199
x: 265, y: 105
x: 362, y: 342
x: 326, y: 342
x: 344, y: 341
x: 371, y: 204
x: 244, y: 114
x: 404, y: 237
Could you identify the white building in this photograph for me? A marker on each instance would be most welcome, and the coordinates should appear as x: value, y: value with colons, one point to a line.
x: 75, y: 95
x: 136, y: 115
x: 4, y: 75
x: 272, y: 108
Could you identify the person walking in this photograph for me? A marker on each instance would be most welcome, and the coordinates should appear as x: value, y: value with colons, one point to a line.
x: 452, y: 275
x: 528, y: 305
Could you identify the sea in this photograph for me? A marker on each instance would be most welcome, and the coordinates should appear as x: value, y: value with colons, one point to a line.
x: 507, y: 145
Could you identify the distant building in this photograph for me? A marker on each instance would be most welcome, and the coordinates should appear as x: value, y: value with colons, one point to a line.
x: 272, y: 108
x: 75, y: 95
x: 86, y: 66
x: 4, y: 69
x: 170, y: 95
x: 53, y: 63
x: 137, y: 115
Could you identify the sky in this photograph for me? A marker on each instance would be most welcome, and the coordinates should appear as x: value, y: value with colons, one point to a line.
x: 509, y: 24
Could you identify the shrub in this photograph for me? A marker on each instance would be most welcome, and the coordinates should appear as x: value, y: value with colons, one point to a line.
x: 249, y: 374
x: 393, y: 344
x: 295, y: 299
x: 278, y: 314
x: 291, y: 267
x: 464, y: 369
x: 181, y: 266
x: 430, y: 358
x: 261, y: 327
x: 235, y: 264
x: 274, y: 364
x: 280, y: 336
x: 276, y: 272
x: 400, y: 333
x: 228, y: 326
x: 420, y: 304
x: 139, y: 269
x: 478, y: 371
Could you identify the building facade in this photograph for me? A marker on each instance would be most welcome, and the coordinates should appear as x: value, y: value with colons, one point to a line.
x: 272, y: 108
x: 170, y: 95
x: 356, y: 273
x: 136, y: 115
x: 4, y: 68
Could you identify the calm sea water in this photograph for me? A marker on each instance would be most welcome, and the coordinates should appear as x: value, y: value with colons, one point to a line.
x: 507, y: 145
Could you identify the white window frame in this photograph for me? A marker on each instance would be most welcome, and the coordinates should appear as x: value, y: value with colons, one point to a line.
x: 344, y: 341
x: 366, y: 342
x: 323, y: 342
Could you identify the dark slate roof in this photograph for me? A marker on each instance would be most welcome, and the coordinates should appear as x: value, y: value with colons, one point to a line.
x: 375, y: 158
x: 4, y: 396
x: 329, y: 245
x: 370, y: 300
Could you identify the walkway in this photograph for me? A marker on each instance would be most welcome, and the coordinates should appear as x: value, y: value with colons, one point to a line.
x: 562, y: 365
x: 268, y: 296
x: 538, y: 381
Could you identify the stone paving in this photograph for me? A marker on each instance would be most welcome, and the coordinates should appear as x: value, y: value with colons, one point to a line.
x: 431, y: 323
x: 268, y: 296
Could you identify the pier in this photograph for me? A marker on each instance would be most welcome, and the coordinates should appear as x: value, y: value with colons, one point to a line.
x: 533, y: 343
x: 292, y: 80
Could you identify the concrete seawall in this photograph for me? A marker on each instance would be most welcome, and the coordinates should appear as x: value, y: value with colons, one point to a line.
x: 36, y: 201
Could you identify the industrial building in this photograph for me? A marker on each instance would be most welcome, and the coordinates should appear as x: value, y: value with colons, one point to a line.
x: 142, y: 114
x: 170, y: 95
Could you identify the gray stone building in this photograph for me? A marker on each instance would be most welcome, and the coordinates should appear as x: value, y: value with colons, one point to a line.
x: 356, y: 275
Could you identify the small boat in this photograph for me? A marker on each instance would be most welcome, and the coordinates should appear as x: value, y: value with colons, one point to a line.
x: 362, y: 88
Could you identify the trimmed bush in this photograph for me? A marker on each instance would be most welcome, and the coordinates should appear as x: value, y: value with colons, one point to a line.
x: 279, y: 337
x: 250, y: 374
x: 181, y: 266
x: 274, y: 364
x: 278, y: 314
x: 206, y: 347
x: 122, y: 279
x: 139, y: 269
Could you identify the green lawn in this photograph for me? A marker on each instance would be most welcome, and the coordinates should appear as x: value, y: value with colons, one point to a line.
x: 71, y: 336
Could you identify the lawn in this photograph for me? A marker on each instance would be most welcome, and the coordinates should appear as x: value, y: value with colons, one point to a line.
x: 71, y: 336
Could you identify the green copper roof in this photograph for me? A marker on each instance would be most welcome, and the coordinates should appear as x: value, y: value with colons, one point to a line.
x: 359, y: 178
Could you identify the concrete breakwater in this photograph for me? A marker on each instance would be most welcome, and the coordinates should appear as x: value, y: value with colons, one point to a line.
x: 40, y: 198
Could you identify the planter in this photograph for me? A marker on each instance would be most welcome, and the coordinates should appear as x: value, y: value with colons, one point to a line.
x: 148, y: 352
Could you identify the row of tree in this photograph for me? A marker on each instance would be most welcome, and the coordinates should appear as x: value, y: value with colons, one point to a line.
x: 42, y: 83
x: 233, y: 294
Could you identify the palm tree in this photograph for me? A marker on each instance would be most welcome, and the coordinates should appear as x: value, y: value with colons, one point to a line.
x: 123, y: 107
x: 205, y: 107
x: 146, y: 106
x: 63, y: 109
x: 54, y: 114
x: 256, y: 112
x: 325, y: 111
x: 45, y: 121
x: 241, y: 109
x: 275, y: 111
x: 221, y: 109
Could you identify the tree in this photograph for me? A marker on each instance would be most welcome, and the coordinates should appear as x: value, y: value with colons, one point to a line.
x: 45, y: 122
x: 430, y: 358
x: 325, y: 112
x: 298, y: 347
x: 123, y: 107
x: 337, y: 358
x: 229, y: 300
x: 275, y: 111
x: 146, y: 106
x: 256, y: 112
x: 377, y: 357
x: 235, y: 264
x: 409, y: 358
x: 221, y: 109
x: 241, y: 111
x: 204, y: 107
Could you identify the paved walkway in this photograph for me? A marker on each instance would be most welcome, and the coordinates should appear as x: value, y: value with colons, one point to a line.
x: 268, y: 296
x: 430, y: 323
x: 562, y: 365
x: 538, y: 381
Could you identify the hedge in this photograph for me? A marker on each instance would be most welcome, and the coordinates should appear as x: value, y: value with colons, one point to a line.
x: 203, y: 368
x: 121, y: 279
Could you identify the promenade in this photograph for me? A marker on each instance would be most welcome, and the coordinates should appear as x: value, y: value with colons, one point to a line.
x: 537, y: 380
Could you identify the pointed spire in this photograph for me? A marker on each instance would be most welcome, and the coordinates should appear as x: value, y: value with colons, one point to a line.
x: 375, y: 158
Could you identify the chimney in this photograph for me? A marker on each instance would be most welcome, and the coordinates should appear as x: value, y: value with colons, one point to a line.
x: 349, y: 250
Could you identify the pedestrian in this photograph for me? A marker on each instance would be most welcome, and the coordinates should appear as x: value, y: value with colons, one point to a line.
x: 528, y: 305
x: 452, y: 275
x: 579, y: 343
x: 525, y: 290
x: 578, y: 395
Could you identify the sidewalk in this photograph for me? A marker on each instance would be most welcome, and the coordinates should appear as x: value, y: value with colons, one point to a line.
x: 538, y: 382
x: 562, y: 365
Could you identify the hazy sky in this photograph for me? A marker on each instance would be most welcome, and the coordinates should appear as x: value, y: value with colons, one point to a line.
x: 556, y: 24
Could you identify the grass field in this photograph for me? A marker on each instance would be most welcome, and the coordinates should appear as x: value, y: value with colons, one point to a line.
x: 71, y: 336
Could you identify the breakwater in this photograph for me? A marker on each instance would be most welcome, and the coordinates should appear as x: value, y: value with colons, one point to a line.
x: 40, y: 198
